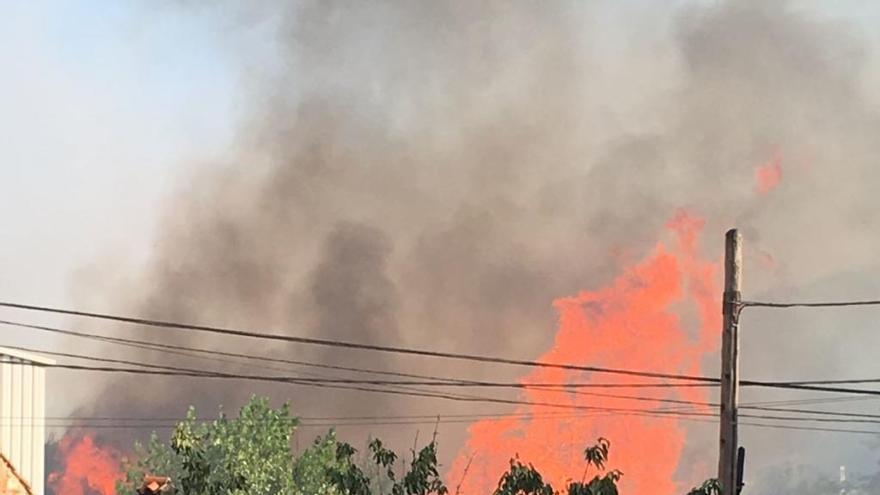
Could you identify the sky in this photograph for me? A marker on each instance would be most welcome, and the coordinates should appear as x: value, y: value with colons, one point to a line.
x: 102, y: 105
x: 105, y: 106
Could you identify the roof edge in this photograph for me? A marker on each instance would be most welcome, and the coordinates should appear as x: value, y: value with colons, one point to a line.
x: 24, y: 483
x: 26, y: 356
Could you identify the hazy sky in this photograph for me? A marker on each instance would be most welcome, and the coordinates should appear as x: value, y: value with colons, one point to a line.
x: 102, y: 104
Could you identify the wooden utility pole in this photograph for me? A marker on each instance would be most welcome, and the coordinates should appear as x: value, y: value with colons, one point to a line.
x: 727, y: 460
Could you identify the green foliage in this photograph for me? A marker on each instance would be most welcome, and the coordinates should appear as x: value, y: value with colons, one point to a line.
x: 522, y: 479
x: 709, y: 487
x: 422, y: 477
x: 155, y: 457
x: 597, y: 455
x: 319, y: 469
x: 249, y: 455
x: 329, y: 468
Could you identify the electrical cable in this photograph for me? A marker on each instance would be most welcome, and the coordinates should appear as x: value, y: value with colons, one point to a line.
x: 832, y: 304
x: 351, y: 345
x: 804, y: 385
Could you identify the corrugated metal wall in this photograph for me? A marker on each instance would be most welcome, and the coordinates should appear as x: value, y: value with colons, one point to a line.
x: 23, y: 415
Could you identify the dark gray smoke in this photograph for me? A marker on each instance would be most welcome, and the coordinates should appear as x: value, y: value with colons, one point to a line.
x: 434, y: 174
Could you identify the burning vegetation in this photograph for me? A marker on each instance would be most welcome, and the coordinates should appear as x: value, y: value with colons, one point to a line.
x: 632, y: 324
x: 86, y: 467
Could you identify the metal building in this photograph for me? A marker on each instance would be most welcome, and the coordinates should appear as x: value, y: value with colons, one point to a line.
x: 23, y: 414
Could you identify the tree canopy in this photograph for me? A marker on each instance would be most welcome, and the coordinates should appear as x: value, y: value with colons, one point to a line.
x: 252, y: 455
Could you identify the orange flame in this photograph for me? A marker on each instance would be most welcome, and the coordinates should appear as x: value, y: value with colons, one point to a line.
x: 89, y: 468
x: 769, y: 175
x: 634, y: 323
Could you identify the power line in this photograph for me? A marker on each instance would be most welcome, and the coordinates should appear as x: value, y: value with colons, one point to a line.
x: 812, y: 385
x: 232, y: 332
x: 808, y: 428
x: 177, y: 371
x: 303, y: 380
x: 468, y: 419
x: 180, y: 350
x: 753, y: 405
x: 687, y: 417
x: 809, y: 419
x: 165, y: 348
x: 624, y: 411
x: 207, y: 353
x: 333, y: 383
x: 169, y: 348
x: 165, y: 371
x: 351, y: 345
x: 832, y: 304
x: 415, y: 423
x: 190, y: 372
x: 321, y: 383
x: 802, y: 385
x: 336, y: 419
x: 434, y: 380
x: 158, y: 369
x: 90, y: 358
x: 812, y: 411
x: 473, y: 416
x: 212, y: 353
x: 815, y: 400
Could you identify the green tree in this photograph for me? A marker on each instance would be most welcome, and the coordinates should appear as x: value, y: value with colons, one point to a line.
x: 251, y: 455
x: 311, y: 471
x: 248, y: 455
x: 523, y: 479
x: 329, y: 467
x: 709, y: 487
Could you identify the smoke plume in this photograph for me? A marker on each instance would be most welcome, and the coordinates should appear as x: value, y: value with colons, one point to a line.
x: 435, y: 174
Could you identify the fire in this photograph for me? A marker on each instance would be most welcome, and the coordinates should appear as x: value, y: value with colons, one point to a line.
x: 88, y: 468
x: 769, y: 175
x: 634, y: 323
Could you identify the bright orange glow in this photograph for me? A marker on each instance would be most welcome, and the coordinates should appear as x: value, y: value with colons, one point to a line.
x: 637, y: 322
x: 89, y: 469
x: 769, y: 175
